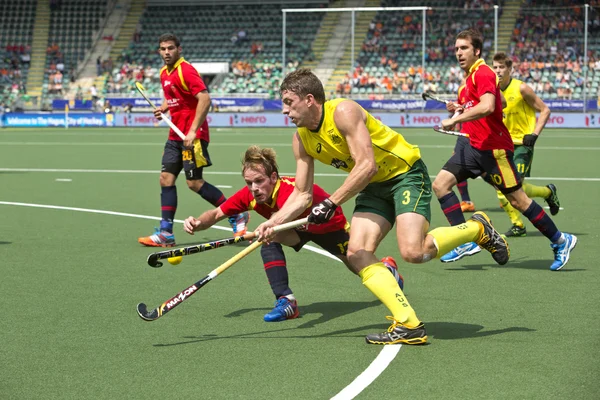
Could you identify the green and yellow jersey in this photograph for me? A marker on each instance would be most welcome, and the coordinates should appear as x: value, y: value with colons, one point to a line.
x: 519, y: 116
x: 393, y: 154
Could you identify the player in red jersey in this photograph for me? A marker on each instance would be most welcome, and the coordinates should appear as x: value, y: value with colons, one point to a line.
x: 488, y: 154
x: 188, y: 102
x: 265, y: 192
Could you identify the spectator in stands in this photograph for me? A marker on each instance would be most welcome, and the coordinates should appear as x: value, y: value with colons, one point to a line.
x: 94, y: 93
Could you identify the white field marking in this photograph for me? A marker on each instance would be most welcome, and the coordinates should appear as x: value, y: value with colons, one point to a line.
x: 213, y: 144
x: 319, y: 174
x: 547, y: 208
x: 63, y: 180
x: 224, y: 186
x: 385, y: 357
x: 375, y: 369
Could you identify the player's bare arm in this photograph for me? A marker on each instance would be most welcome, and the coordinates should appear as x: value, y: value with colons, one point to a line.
x: 164, y: 108
x: 350, y: 121
x: 204, y: 221
x: 300, y: 199
x: 486, y: 106
x: 538, y: 105
x: 302, y: 196
x: 201, y: 113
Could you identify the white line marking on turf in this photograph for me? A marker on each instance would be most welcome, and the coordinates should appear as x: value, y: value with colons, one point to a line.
x: 224, y: 186
x: 63, y: 180
x: 319, y: 174
x: 385, y: 357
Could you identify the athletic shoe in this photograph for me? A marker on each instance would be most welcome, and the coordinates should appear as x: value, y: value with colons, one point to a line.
x: 398, y: 333
x: 563, y: 251
x: 284, y: 309
x: 491, y: 240
x: 516, y: 231
x: 390, y: 263
x: 552, y: 200
x: 158, y: 239
x: 467, y: 206
x: 239, y: 223
x: 467, y: 249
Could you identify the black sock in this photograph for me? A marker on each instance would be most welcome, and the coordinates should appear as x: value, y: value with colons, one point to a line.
x: 275, y: 267
x: 538, y: 217
x: 463, y: 188
x: 168, y: 207
x: 211, y: 194
x: 451, y: 208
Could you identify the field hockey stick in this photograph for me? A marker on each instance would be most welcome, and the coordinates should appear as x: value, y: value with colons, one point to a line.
x: 142, y: 91
x: 429, y: 96
x: 173, y: 302
x: 195, y: 249
x: 439, y: 129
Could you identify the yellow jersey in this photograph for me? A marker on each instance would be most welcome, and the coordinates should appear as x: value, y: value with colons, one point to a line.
x: 518, y: 116
x: 393, y: 154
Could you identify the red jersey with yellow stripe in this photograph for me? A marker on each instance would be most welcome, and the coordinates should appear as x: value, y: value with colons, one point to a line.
x: 243, y: 200
x: 489, y: 132
x: 180, y: 85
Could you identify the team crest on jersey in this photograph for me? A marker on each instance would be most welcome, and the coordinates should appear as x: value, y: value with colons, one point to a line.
x: 338, y: 163
x: 335, y: 139
x: 167, y: 83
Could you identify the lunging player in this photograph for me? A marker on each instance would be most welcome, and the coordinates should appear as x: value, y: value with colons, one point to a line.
x: 393, y: 187
x: 265, y: 192
x: 490, y: 153
x: 188, y: 101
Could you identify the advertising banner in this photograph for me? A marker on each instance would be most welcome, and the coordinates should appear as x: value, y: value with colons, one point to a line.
x: 45, y: 120
x: 395, y: 120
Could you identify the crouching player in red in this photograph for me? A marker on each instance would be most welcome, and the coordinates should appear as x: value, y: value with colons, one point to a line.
x: 265, y: 193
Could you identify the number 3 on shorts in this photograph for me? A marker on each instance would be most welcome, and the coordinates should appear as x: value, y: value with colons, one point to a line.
x: 406, y: 195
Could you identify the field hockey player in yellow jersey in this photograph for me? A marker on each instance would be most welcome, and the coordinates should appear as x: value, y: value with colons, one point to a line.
x: 519, y: 118
x: 393, y: 187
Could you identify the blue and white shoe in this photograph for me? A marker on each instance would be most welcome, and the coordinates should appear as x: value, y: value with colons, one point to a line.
x: 158, y: 239
x: 239, y: 223
x: 562, y: 251
x: 467, y: 249
x: 391, y: 265
x: 284, y: 309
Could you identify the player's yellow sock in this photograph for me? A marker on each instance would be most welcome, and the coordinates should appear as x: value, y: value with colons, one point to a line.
x: 513, y: 213
x: 377, y: 278
x: 450, y: 237
x: 536, y: 191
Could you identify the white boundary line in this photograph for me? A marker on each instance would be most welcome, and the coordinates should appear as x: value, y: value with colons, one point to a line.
x: 134, y: 171
x: 379, y: 364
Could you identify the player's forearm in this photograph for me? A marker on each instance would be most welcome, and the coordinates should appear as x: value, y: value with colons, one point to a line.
x: 295, y: 205
x: 541, y: 121
x: 357, y: 180
x: 479, y: 111
x: 201, y: 113
x: 209, y: 218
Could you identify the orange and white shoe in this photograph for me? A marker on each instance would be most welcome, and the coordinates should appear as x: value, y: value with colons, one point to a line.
x: 239, y: 224
x: 467, y: 206
x: 158, y: 239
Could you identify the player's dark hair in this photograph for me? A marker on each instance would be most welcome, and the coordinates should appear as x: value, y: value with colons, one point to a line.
x: 303, y: 82
x: 474, y: 36
x: 169, y: 37
x: 255, y: 156
x: 502, y: 58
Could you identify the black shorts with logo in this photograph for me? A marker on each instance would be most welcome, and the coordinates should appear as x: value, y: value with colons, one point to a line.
x: 498, y: 166
x: 176, y: 157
